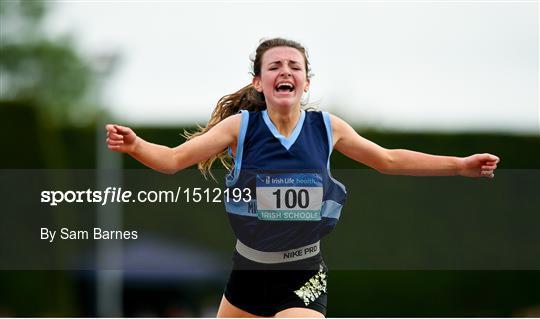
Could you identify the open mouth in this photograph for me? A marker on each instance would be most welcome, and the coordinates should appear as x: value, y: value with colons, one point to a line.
x: 284, y: 87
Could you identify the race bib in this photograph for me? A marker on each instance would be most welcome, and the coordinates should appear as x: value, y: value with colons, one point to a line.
x: 289, y: 196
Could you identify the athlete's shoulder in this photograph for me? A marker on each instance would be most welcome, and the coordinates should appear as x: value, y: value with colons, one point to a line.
x: 335, y: 121
x: 339, y: 122
x: 233, y: 120
x: 229, y: 125
x: 313, y: 114
x: 253, y: 114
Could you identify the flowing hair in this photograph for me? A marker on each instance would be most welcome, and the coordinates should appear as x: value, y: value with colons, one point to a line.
x: 247, y: 98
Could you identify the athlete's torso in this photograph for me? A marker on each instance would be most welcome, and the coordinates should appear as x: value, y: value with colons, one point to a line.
x: 295, y: 200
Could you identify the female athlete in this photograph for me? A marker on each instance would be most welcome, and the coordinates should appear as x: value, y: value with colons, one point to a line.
x: 281, y: 152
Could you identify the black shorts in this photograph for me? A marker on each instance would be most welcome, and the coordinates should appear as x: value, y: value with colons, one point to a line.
x: 266, y: 289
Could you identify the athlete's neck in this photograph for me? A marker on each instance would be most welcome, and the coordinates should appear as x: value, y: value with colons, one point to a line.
x: 285, y: 122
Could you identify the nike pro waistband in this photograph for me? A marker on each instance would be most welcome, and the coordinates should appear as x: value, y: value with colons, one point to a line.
x: 275, y: 257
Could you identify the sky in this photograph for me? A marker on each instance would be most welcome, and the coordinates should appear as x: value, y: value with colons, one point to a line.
x: 395, y: 65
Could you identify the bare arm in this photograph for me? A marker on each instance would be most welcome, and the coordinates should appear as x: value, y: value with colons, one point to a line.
x: 170, y: 160
x: 405, y: 162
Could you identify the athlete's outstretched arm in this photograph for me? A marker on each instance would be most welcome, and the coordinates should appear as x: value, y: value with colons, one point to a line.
x: 405, y: 162
x: 170, y: 160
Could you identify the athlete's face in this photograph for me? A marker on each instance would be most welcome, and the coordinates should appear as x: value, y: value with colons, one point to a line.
x: 283, y: 77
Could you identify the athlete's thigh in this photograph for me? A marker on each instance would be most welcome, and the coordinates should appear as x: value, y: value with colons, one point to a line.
x: 228, y: 310
x: 298, y: 312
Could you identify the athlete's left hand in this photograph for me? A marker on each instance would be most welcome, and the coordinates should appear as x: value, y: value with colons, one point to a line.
x: 478, y: 165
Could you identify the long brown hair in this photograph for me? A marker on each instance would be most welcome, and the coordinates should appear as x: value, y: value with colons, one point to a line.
x: 247, y: 98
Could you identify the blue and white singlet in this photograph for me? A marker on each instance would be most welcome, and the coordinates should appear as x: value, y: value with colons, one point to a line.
x: 295, y: 201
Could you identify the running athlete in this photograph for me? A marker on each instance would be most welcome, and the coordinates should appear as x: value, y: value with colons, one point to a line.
x: 281, y: 152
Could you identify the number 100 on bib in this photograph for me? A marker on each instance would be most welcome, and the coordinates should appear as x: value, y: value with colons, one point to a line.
x: 289, y: 197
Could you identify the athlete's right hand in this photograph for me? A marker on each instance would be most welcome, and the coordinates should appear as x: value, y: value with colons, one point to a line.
x: 120, y: 138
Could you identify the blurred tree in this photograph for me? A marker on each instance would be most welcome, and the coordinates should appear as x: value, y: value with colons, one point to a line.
x: 47, y: 73
x: 45, y: 85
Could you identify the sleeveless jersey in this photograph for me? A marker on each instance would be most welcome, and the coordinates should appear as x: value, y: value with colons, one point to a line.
x: 294, y: 199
